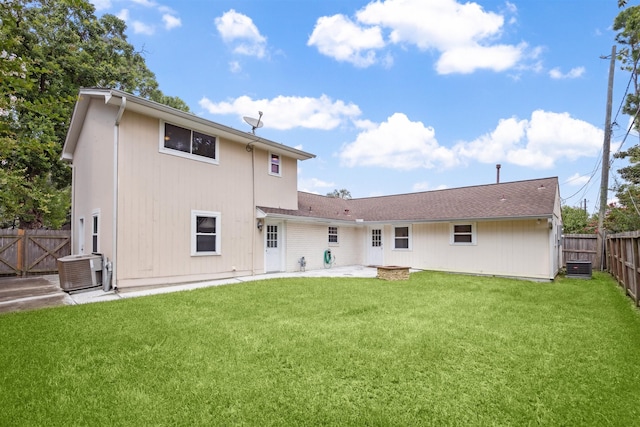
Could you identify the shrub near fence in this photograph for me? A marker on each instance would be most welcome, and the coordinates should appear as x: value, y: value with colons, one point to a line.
x: 24, y: 252
x: 623, y: 254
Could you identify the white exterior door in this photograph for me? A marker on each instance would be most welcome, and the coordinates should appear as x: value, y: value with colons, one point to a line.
x: 374, y: 247
x: 273, y: 248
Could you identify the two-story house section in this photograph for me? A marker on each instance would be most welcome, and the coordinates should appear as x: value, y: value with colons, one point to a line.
x: 170, y: 197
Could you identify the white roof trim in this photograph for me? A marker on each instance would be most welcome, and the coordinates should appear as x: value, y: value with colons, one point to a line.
x: 150, y: 108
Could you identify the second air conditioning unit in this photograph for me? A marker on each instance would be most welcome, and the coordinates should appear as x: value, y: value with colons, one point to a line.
x: 579, y: 269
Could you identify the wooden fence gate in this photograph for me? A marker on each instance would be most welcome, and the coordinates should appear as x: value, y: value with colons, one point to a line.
x: 24, y: 252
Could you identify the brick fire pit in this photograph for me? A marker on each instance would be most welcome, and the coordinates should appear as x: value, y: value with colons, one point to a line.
x: 393, y: 272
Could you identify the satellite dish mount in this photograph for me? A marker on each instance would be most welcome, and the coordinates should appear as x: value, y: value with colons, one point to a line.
x: 254, y: 123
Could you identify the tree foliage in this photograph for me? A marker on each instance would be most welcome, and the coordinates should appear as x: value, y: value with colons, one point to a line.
x: 577, y: 221
x: 340, y: 194
x: 624, y: 214
x: 48, y: 50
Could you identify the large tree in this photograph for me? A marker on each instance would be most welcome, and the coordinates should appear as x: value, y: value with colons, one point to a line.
x: 624, y: 215
x: 48, y: 50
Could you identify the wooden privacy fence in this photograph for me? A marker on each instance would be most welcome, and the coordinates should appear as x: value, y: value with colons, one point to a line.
x: 24, y: 252
x: 579, y: 247
x: 623, y: 253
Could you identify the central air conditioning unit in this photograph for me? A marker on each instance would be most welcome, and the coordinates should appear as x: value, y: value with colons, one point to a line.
x: 579, y: 269
x: 80, y: 271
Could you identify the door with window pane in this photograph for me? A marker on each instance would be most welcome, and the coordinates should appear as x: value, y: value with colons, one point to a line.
x: 273, y: 250
x: 374, y: 247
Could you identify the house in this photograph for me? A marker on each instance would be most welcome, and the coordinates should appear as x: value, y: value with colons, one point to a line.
x: 509, y: 229
x: 169, y: 197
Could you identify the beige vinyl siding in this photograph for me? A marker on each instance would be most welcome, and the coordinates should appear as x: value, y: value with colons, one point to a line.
x: 157, y: 194
x: 311, y: 240
x: 93, y: 179
x: 276, y: 191
x: 505, y: 248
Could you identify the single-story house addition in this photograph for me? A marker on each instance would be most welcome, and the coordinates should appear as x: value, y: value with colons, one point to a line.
x: 169, y: 197
x: 509, y: 229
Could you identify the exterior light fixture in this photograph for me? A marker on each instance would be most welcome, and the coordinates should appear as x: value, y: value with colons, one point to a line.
x: 259, y: 224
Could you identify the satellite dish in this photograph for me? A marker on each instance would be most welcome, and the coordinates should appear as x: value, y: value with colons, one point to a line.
x: 254, y: 123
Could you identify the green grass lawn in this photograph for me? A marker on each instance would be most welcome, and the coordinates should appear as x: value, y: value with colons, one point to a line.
x: 438, y: 349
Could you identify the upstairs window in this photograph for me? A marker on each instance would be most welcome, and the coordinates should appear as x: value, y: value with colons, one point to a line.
x: 275, y: 165
x: 184, y: 142
x: 333, y: 235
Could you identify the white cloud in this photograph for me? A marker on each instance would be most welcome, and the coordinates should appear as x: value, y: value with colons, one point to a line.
x: 239, y: 31
x: 574, y: 73
x: 288, y: 112
x: 123, y: 14
x: 145, y: 3
x: 142, y: 28
x: 397, y: 143
x: 577, y: 180
x: 314, y: 185
x: 464, y: 33
x: 492, y: 147
x: 425, y: 186
x: 170, y: 21
x: 340, y: 38
x: 101, y: 4
x: 467, y: 59
x: 440, y: 24
x: 536, y: 143
x: 235, y: 67
x: 169, y: 18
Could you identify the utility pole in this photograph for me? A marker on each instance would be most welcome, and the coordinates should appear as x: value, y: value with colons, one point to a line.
x: 604, y: 183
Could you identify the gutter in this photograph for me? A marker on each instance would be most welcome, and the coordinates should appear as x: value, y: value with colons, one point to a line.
x: 358, y: 221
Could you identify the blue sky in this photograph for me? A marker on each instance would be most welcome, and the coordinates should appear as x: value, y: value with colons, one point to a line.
x: 398, y: 96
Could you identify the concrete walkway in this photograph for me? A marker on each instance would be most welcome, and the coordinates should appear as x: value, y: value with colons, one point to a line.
x: 20, y: 294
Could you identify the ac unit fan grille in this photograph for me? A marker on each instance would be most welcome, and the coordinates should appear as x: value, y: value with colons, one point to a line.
x: 580, y: 269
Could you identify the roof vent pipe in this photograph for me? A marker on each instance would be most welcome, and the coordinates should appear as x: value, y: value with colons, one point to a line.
x: 498, y: 173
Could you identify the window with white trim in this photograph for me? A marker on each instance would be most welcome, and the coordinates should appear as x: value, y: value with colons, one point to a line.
x: 205, y: 233
x: 333, y: 235
x: 402, y: 237
x: 95, y: 222
x: 463, y: 234
x: 275, y: 164
x: 192, y: 144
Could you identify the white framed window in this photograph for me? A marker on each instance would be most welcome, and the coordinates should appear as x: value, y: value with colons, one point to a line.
x: 463, y: 233
x: 275, y: 164
x: 183, y: 142
x: 402, y: 237
x: 95, y: 227
x: 333, y: 235
x: 205, y: 233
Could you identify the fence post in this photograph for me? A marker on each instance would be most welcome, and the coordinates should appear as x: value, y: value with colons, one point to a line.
x: 21, y: 249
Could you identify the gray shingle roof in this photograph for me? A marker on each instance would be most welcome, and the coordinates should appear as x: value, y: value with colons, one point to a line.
x: 518, y: 199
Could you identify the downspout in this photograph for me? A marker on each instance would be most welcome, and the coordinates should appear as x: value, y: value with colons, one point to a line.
x: 253, y: 207
x: 116, y: 140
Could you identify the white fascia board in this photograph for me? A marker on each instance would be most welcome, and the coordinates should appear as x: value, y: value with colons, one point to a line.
x: 172, y: 115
